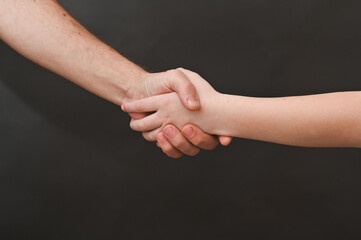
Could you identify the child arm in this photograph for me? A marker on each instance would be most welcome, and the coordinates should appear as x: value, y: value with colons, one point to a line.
x: 323, y: 120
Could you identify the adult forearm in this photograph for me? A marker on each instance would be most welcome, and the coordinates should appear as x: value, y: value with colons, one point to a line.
x: 45, y: 33
x: 324, y: 120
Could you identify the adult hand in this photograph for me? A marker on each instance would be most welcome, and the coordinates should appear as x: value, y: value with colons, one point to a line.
x: 175, y: 143
x: 83, y: 58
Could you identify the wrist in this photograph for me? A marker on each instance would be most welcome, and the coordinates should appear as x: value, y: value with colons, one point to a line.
x: 129, y: 85
x: 135, y: 86
x: 209, y: 118
x: 226, y: 114
x: 218, y: 118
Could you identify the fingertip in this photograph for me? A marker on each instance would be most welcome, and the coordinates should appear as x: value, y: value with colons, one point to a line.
x: 132, y: 125
x: 169, y: 131
x: 149, y: 136
x: 225, y: 141
x: 193, y: 104
x: 126, y: 107
x: 198, y: 138
x: 186, y: 91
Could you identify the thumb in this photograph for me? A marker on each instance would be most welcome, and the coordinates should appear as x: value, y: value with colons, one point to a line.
x: 186, y: 91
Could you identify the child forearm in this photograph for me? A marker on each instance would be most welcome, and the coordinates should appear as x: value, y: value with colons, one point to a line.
x: 324, y: 120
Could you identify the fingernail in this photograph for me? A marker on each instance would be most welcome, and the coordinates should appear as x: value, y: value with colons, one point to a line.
x: 188, y: 132
x: 193, y: 102
x: 122, y: 107
x: 169, y: 131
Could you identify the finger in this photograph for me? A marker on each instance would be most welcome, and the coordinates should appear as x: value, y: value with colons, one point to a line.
x: 146, y: 124
x: 175, y: 137
x: 198, y: 138
x: 137, y: 116
x: 186, y: 91
x: 149, y: 104
x: 225, y: 141
x: 151, y: 136
x: 167, y: 148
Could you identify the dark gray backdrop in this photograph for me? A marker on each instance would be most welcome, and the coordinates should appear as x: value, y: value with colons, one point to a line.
x: 70, y: 167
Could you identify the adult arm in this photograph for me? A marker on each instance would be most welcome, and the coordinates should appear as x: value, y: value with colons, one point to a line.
x: 45, y: 33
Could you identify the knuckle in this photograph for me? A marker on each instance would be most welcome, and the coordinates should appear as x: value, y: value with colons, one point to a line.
x: 188, y: 85
x: 176, y: 72
x: 180, y: 69
x: 140, y: 107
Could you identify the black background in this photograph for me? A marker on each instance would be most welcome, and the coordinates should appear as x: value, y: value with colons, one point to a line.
x: 70, y: 167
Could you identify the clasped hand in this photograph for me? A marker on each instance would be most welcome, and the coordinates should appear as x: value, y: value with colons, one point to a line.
x: 161, y: 115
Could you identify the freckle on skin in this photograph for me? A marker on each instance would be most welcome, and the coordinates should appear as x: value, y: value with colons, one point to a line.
x: 64, y: 14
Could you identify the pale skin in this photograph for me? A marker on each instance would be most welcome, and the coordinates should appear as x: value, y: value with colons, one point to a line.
x: 323, y: 120
x: 44, y: 32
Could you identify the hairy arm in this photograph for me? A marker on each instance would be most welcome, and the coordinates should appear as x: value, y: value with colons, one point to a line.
x: 323, y: 120
x: 45, y: 33
x: 42, y: 31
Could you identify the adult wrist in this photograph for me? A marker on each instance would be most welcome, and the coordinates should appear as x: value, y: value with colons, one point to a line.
x: 128, y: 85
x: 135, y: 87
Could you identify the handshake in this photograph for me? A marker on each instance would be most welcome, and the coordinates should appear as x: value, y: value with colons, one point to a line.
x: 178, y: 112
x: 178, y: 109
x: 321, y: 120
